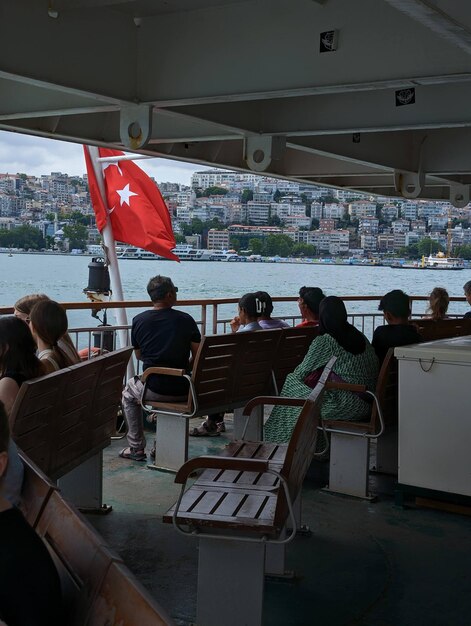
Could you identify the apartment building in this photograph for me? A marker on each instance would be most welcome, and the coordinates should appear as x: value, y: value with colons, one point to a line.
x: 218, y: 239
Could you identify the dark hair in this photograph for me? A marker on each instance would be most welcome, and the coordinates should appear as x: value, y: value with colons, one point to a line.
x: 17, y: 348
x: 439, y: 301
x: 251, y: 305
x: 4, y: 429
x: 49, y: 321
x: 26, y: 303
x: 158, y: 287
x: 312, y: 297
x: 266, y: 303
x: 395, y: 302
x: 467, y: 287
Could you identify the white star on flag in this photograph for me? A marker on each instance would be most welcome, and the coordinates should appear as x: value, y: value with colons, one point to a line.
x: 125, y: 194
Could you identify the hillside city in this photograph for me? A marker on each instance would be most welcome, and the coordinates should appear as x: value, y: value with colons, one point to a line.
x: 249, y: 213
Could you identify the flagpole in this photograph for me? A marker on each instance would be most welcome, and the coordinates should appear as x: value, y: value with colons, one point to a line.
x: 111, y: 257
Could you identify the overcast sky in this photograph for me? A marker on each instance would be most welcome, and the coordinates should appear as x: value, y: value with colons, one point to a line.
x: 36, y: 156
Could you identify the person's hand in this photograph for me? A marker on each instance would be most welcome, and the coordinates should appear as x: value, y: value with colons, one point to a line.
x: 235, y: 324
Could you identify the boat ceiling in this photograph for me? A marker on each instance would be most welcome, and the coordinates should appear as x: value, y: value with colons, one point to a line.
x: 242, y: 84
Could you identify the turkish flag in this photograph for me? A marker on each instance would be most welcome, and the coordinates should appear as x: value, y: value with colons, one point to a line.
x: 136, y: 209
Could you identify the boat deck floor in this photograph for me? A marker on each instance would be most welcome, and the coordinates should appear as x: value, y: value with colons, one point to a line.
x: 365, y: 564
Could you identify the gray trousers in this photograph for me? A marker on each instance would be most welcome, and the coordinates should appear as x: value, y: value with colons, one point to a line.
x: 133, y: 410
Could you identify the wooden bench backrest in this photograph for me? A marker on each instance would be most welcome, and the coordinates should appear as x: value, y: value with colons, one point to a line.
x: 293, y: 346
x: 302, y: 445
x: 61, y: 419
x: 234, y: 368
x: 36, y: 491
x: 81, y: 558
x: 442, y: 329
x: 122, y: 601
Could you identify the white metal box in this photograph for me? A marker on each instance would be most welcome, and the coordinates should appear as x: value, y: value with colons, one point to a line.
x: 434, y: 415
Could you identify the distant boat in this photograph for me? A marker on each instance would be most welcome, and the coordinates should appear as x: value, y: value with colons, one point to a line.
x: 440, y: 261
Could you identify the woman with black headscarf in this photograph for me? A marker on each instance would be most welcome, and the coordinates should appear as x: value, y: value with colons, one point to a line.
x: 356, y: 363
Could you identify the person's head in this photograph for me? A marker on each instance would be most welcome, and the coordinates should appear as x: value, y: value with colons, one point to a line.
x: 467, y: 291
x: 4, y: 440
x: 395, y: 306
x: 162, y: 291
x: 333, y: 321
x: 309, y: 301
x: 17, y: 348
x: 438, y: 303
x: 23, y: 306
x: 250, y: 308
x: 266, y: 304
x: 48, y: 322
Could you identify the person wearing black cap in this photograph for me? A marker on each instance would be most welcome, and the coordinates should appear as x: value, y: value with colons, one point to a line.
x: 161, y: 336
x: 398, y: 331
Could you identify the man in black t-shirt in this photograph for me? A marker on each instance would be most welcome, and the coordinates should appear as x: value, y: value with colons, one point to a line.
x: 162, y: 337
x: 396, y: 308
x: 30, y: 593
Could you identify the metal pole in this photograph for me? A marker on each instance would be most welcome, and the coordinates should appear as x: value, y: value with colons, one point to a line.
x: 111, y: 257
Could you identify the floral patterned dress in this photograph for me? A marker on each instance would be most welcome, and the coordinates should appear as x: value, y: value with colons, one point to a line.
x: 360, y: 369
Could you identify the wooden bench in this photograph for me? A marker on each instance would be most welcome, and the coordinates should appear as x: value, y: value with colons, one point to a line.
x: 430, y: 330
x: 350, y: 440
x: 239, y: 508
x: 64, y: 420
x: 97, y: 588
x: 228, y: 371
x: 293, y: 346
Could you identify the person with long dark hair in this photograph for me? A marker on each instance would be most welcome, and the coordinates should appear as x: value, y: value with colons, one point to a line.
x: 266, y: 321
x: 356, y: 363
x: 18, y: 362
x: 48, y: 324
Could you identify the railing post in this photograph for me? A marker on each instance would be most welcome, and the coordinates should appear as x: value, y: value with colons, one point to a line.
x: 203, y: 319
x: 215, y: 318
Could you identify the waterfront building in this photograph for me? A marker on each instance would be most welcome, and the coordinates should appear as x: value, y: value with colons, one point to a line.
x: 218, y: 239
x: 7, y: 223
x: 400, y: 239
x: 368, y: 243
x: 331, y: 241
x: 385, y: 242
x: 368, y: 226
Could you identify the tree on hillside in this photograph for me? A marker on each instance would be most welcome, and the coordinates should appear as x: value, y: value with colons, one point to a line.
x: 215, y: 191
x: 235, y: 243
x: 256, y: 245
x: 27, y: 237
x: 77, y: 236
x: 464, y: 252
x: 303, y: 249
x: 279, y: 245
x: 247, y: 195
x: 429, y: 246
x: 277, y: 195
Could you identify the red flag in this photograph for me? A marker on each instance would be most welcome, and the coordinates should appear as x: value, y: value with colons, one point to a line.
x: 137, y: 211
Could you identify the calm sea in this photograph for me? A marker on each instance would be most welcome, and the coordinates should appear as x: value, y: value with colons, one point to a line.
x: 64, y: 277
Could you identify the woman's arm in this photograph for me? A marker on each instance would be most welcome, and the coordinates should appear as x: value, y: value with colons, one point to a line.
x: 8, y: 392
x: 317, y: 356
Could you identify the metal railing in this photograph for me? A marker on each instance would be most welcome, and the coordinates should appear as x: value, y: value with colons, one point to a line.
x: 213, y: 316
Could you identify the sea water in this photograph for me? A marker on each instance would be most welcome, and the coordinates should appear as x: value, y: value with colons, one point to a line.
x: 63, y: 278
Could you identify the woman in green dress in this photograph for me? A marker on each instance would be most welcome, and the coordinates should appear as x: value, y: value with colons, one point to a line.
x: 356, y: 363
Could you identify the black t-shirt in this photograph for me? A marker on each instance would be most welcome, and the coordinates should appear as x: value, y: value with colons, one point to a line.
x: 164, y: 338
x: 392, y: 336
x: 30, y: 592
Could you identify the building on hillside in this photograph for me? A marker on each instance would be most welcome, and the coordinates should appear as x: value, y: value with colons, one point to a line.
x: 258, y: 212
x: 368, y: 243
x: 316, y: 210
x: 389, y: 212
x: 331, y: 241
x: 385, y: 242
x: 362, y: 209
x: 333, y: 211
x: 218, y: 239
x: 401, y: 226
x: 409, y: 210
x: 327, y: 224
x: 368, y: 226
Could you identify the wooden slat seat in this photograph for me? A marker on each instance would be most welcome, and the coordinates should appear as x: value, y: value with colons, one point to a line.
x: 239, y: 508
x: 64, y: 420
x: 36, y: 491
x: 430, y: 330
x: 350, y: 440
x: 292, y: 349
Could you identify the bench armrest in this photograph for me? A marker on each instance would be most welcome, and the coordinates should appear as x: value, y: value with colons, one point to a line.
x: 346, y: 387
x: 219, y: 462
x: 272, y: 401
x: 167, y: 371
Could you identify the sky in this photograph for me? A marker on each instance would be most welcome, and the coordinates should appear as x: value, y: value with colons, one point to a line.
x: 35, y: 156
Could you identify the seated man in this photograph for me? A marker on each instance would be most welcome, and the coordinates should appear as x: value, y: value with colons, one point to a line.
x: 309, y: 301
x: 467, y: 295
x: 162, y: 337
x: 399, y: 332
x: 29, y: 584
